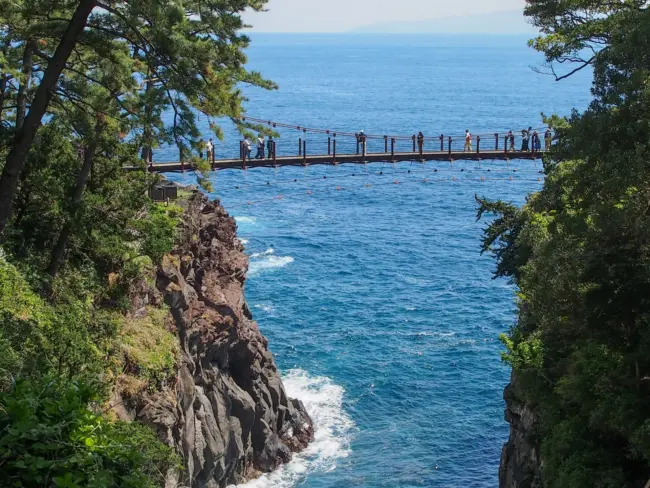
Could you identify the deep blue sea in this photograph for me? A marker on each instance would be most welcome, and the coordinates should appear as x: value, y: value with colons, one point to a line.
x: 367, y: 280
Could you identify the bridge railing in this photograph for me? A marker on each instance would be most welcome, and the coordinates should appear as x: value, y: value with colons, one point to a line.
x: 310, y: 145
x: 301, y: 142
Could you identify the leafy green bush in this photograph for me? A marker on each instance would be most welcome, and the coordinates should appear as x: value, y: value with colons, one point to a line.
x: 158, y: 230
x: 50, y: 437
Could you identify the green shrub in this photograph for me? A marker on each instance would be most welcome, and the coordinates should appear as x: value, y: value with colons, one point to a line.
x: 158, y: 230
x: 50, y: 437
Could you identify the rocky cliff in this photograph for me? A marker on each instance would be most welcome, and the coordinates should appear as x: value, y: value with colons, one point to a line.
x: 226, y: 412
x: 520, y: 460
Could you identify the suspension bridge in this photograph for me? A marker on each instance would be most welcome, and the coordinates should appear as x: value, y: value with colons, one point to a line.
x: 328, y: 147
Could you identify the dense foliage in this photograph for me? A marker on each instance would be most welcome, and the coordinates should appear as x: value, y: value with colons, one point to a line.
x: 579, y: 252
x: 88, y: 88
x: 51, y: 438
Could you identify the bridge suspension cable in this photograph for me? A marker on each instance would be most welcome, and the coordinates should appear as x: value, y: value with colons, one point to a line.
x: 305, y: 129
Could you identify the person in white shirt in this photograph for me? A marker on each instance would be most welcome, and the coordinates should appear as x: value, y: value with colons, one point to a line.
x: 248, y: 147
x: 468, y: 141
x: 210, y: 147
x: 260, y: 147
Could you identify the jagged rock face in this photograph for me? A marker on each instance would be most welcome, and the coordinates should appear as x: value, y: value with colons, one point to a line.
x: 228, y: 415
x: 520, y: 461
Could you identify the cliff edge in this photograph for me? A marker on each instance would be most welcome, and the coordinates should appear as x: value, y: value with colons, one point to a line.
x: 520, y: 458
x: 226, y: 411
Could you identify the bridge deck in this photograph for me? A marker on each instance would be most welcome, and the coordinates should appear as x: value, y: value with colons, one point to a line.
x: 351, y: 158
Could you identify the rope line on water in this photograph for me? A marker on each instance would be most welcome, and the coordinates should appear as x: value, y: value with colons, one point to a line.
x: 367, y: 173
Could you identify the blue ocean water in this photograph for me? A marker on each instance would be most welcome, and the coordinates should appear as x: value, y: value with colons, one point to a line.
x: 367, y: 280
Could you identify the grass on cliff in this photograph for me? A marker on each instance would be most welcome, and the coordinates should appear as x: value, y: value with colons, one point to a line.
x: 150, y: 351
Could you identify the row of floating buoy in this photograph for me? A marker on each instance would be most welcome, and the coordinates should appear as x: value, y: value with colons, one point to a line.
x: 369, y: 185
x: 381, y: 173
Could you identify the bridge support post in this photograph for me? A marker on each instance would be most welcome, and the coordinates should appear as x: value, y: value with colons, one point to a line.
x: 392, y: 149
x: 496, y: 141
x: 385, y: 144
x: 413, y: 137
x: 334, y: 153
x: 300, y: 146
x: 478, y: 146
x: 304, y: 151
x: 505, y: 144
x: 273, y: 149
x: 241, y: 150
x: 442, y: 142
x: 357, y: 144
x: 449, y: 147
x: 329, y: 145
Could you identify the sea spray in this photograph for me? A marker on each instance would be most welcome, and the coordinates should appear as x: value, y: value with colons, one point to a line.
x: 323, y: 400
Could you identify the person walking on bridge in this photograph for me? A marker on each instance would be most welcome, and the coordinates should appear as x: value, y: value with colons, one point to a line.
x: 468, y: 141
x: 525, y: 139
x: 511, y: 140
x: 548, y: 138
x: 420, y: 142
x: 260, y: 147
x: 210, y: 147
x: 362, y: 141
x: 537, y: 143
x: 248, y: 147
x: 269, y: 146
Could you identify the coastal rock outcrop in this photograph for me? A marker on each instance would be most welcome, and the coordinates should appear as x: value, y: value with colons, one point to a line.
x: 520, y: 458
x: 226, y: 412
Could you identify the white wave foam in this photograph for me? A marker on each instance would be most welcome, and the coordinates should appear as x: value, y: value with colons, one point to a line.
x: 333, y: 431
x: 265, y: 307
x: 243, y: 241
x: 268, y: 252
x: 268, y: 262
x: 246, y: 220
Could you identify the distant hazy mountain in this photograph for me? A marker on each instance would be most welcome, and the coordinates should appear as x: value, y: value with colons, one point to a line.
x: 508, y: 22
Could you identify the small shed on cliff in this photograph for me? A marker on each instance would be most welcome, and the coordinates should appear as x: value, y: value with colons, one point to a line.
x: 163, y: 190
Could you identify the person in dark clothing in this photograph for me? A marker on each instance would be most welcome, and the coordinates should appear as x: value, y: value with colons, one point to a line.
x: 269, y: 146
x: 420, y: 141
x: 511, y: 140
x: 537, y: 145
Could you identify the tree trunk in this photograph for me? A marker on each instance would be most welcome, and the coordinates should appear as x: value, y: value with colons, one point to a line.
x: 80, y: 186
x: 148, y: 113
x: 21, y: 100
x: 4, y: 77
x: 4, y: 80
x: 25, y: 136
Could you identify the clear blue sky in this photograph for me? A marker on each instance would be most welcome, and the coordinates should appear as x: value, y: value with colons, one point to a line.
x: 347, y: 15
